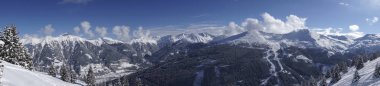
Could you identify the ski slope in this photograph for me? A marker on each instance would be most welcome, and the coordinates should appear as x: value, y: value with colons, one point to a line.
x: 14, y: 75
x: 366, y: 76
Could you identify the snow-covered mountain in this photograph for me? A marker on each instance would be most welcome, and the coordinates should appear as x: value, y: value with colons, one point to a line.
x: 301, y: 38
x: 367, y: 43
x: 268, y: 59
x: 188, y: 38
x: 109, y: 57
x: 279, y: 59
x: 14, y: 75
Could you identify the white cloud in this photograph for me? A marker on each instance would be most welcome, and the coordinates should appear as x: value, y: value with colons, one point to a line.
x: 233, y: 29
x: 372, y: 21
x: 273, y: 25
x: 353, y: 33
x: 193, y: 28
x: 30, y: 39
x: 269, y: 24
x: 141, y: 33
x: 371, y: 3
x: 75, y: 1
x: 102, y: 31
x: 252, y: 24
x: 121, y: 32
x: 48, y: 29
x: 86, y: 26
x: 329, y: 31
x: 354, y: 28
x: 344, y: 4
x: 76, y: 30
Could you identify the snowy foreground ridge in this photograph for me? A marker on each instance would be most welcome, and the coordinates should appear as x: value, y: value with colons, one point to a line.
x: 366, y: 76
x: 14, y: 75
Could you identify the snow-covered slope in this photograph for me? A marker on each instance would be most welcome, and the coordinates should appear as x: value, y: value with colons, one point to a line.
x: 144, y: 41
x: 190, y: 38
x: 109, y: 56
x: 368, y: 42
x: 14, y: 75
x: 301, y: 38
x: 366, y: 76
x: 1, y: 42
x: 67, y: 39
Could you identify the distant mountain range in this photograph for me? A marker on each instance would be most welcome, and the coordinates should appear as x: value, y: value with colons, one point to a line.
x: 248, y: 58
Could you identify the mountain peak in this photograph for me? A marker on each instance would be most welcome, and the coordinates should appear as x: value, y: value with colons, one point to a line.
x: 144, y: 40
x: 370, y: 36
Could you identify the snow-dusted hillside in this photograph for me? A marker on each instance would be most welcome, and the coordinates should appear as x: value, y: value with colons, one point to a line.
x: 188, y: 38
x: 301, y: 38
x: 108, y: 55
x: 14, y: 75
x: 366, y: 76
x: 67, y: 39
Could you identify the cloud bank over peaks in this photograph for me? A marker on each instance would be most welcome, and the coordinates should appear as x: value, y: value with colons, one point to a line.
x: 102, y: 31
x: 85, y: 29
x: 278, y: 26
x: 141, y: 33
x: 86, y: 26
x: 352, y: 33
x: 233, y: 29
x: 269, y: 24
x: 48, y: 30
x: 76, y: 30
x: 354, y: 28
x: 121, y: 32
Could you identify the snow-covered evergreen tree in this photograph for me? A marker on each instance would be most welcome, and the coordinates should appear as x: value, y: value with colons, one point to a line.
x: 52, y: 71
x: 376, y: 74
x: 323, y: 81
x: 64, y: 74
x: 139, y: 82
x: 312, y: 81
x: 335, y: 75
x: 125, y: 81
x: 2, y: 51
x: 13, y: 50
x: 1, y: 71
x: 73, y: 76
x: 359, y: 63
x: 90, y: 77
x: 356, y: 77
x: 343, y: 67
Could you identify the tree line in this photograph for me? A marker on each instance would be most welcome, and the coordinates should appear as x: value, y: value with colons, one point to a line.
x: 335, y: 73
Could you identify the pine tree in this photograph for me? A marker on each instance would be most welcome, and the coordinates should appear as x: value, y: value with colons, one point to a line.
x: 1, y: 70
x: 90, y: 77
x: 312, y: 81
x: 73, y: 75
x: 139, y: 82
x: 359, y: 64
x: 335, y: 75
x: 52, y: 71
x: 343, y: 67
x: 356, y: 77
x: 118, y: 82
x: 376, y: 73
x: 64, y: 74
x: 13, y: 50
x: 323, y: 81
x: 125, y: 81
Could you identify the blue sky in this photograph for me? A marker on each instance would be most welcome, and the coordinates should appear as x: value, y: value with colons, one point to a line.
x: 32, y: 15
